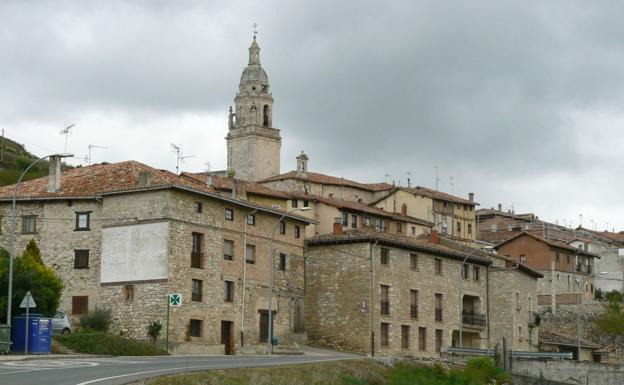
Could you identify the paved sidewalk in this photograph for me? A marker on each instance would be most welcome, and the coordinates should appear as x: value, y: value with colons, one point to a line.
x: 22, y: 357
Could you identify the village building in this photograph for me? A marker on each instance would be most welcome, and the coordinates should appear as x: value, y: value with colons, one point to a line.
x: 568, y: 271
x: 123, y: 236
x: 391, y: 295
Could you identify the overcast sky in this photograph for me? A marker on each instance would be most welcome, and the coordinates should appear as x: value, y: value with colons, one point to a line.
x: 521, y: 103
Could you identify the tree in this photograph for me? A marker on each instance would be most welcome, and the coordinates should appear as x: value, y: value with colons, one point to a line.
x: 153, y: 330
x: 612, y: 320
x: 29, y: 274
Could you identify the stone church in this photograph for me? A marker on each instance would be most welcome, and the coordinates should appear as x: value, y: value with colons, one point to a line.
x: 253, y: 144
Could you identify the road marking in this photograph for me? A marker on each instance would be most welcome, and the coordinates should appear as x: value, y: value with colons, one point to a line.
x: 51, y: 364
x: 212, y: 367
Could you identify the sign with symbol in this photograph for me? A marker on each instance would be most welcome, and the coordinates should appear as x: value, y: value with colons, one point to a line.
x: 175, y: 299
x: 28, y: 301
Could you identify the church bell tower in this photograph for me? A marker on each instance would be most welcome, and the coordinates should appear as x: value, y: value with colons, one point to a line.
x: 253, y: 144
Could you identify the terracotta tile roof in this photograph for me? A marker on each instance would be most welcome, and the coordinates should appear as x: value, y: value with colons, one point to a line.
x: 361, y: 207
x: 242, y: 187
x: 618, y: 237
x: 115, y: 178
x: 330, y: 180
x: 427, y: 192
x: 550, y: 242
x: 521, y: 265
x: 404, y: 242
x: 552, y: 338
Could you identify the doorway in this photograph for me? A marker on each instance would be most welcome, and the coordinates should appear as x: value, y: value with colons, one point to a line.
x: 226, y: 336
x: 264, y: 325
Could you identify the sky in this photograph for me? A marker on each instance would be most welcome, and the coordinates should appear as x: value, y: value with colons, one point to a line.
x: 520, y: 103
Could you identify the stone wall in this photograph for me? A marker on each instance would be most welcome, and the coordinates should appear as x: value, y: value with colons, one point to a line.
x: 570, y: 372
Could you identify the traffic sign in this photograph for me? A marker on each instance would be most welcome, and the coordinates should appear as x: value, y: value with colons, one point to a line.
x: 28, y: 301
x: 175, y: 299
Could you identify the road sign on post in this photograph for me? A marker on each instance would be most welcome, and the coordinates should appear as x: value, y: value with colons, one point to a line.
x: 27, y: 303
x: 174, y: 300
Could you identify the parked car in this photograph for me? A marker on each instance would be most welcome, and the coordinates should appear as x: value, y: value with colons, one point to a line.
x: 61, y: 324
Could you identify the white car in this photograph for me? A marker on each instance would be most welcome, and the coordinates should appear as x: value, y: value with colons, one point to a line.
x: 61, y: 324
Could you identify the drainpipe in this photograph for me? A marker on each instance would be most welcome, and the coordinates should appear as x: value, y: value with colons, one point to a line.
x: 244, y: 261
x: 372, y: 298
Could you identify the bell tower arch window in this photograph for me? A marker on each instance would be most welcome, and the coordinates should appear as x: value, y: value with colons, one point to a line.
x: 266, y: 121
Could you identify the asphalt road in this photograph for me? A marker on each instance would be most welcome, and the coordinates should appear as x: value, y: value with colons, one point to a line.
x: 123, y: 370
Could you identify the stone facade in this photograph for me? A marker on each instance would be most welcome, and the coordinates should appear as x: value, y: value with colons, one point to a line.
x: 253, y: 144
x: 346, y: 285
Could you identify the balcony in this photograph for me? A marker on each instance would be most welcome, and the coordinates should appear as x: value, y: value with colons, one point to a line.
x: 474, y: 319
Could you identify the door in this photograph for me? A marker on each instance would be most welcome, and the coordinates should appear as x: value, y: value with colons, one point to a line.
x: 264, y: 325
x: 226, y: 337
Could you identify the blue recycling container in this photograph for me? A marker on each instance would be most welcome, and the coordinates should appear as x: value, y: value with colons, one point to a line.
x: 39, y: 334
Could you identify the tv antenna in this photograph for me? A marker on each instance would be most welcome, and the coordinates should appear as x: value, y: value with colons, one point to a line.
x: 179, y: 156
x: 92, y: 146
x: 65, y: 132
x: 437, y: 180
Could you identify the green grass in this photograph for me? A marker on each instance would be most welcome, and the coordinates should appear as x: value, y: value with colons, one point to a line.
x: 90, y: 342
x: 351, y: 372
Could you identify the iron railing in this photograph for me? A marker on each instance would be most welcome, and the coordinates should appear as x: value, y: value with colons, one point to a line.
x: 475, y: 319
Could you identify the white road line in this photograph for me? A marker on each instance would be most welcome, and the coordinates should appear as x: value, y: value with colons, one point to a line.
x: 213, y: 367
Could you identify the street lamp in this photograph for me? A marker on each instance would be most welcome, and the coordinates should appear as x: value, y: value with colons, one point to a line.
x: 270, y: 326
x: 14, y: 225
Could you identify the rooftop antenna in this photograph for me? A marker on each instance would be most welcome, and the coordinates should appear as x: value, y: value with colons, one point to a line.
x: 179, y: 156
x: 92, y: 146
x: 386, y: 176
x: 207, y: 167
x: 409, y: 179
x: 65, y: 132
x: 452, y: 185
x: 436, y: 178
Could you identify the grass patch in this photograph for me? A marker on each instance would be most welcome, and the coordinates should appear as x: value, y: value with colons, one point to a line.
x: 351, y: 372
x: 91, y: 342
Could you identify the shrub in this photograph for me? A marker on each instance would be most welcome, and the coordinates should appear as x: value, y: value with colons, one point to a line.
x: 91, y: 342
x: 153, y: 330
x: 98, y: 320
x: 614, y: 296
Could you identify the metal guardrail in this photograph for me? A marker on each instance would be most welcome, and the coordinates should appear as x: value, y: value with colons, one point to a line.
x: 474, y: 319
x: 470, y: 351
x: 546, y: 355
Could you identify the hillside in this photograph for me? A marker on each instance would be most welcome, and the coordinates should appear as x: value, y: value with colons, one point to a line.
x: 14, y: 159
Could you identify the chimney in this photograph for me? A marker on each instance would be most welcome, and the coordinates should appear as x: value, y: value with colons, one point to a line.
x: 54, y: 176
x: 404, y: 209
x: 471, y: 197
x: 500, y: 207
x: 337, y: 226
x: 434, y: 237
x: 233, y: 188
x: 145, y: 179
x: 209, y: 180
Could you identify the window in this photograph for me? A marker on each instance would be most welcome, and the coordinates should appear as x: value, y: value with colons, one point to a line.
x: 493, y: 228
x: 458, y: 227
x: 523, y: 258
x: 422, y: 338
x: 399, y: 228
x: 414, y: 261
x: 29, y: 224
x: 129, y: 293
x: 438, y: 266
x: 438, y: 340
x: 385, y: 256
x: 196, y: 290
x: 517, y: 301
x: 438, y: 307
x: 82, y: 221
x: 469, y: 229
x: 297, y: 232
x: 413, y: 230
x: 80, y: 304
x: 568, y: 259
x: 379, y: 223
x: 383, y: 339
x: 250, y: 254
x: 228, y: 249
x: 405, y: 337
x: 475, y: 273
x: 196, y: 250
x: 519, y: 333
x: 354, y: 221
x: 282, y: 226
x: 251, y: 219
x: 557, y: 256
x: 282, y: 262
x: 465, y: 269
x: 198, y: 207
x: 384, y: 299
x: 414, y: 303
x: 229, y: 214
x: 345, y: 219
x: 295, y: 203
x: 81, y: 259
x: 306, y: 203
x: 228, y: 291
x: 195, y: 328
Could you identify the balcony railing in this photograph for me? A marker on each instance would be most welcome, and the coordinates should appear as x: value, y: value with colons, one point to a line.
x: 385, y: 308
x: 414, y: 311
x: 475, y: 319
x: 438, y: 315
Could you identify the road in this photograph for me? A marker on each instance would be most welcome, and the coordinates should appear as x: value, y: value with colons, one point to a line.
x: 123, y: 370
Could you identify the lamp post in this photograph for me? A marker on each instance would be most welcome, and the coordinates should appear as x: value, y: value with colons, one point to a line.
x: 272, y: 266
x: 14, y: 225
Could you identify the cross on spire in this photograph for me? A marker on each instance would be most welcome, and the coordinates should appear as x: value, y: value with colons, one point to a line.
x: 255, y: 29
